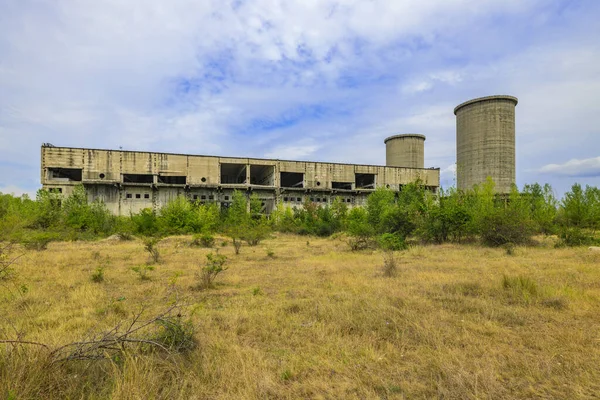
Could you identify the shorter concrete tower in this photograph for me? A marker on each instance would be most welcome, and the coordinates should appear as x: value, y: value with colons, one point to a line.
x: 485, y: 142
x: 406, y: 150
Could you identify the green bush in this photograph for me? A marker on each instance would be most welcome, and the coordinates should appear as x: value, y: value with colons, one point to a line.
x: 175, y: 334
x: 203, y: 240
x: 391, y: 241
x: 214, y: 266
x: 575, y: 236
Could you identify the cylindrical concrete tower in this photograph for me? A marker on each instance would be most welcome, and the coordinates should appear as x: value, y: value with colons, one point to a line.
x: 405, y: 151
x: 485, y: 142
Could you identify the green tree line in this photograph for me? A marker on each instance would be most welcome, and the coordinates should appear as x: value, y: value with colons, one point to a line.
x: 389, y: 219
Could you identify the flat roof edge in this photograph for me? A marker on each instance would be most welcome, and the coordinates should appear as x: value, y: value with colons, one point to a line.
x: 239, y: 158
x: 486, y: 98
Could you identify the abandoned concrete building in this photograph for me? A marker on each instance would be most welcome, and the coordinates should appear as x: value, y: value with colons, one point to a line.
x: 128, y: 181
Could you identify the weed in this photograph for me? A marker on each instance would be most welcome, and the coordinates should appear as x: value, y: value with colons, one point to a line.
x: 520, y: 287
x: 558, y: 303
x: 98, y: 275
x: 143, y: 271
x: 471, y: 289
x: 390, y: 267
x: 224, y: 243
x: 256, y: 291
x: 510, y: 249
x: 286, y: 375
x: 270, y: 252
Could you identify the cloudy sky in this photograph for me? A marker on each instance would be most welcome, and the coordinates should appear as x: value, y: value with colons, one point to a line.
x: 322, y: 80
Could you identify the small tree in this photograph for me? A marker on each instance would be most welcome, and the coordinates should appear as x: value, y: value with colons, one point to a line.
x: 214, y: 266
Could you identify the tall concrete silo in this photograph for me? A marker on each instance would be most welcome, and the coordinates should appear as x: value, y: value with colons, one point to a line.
x: 406, y: 150
x: 485, y: 142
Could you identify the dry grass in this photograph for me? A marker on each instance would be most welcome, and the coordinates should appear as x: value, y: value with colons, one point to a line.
x: 312, y: 322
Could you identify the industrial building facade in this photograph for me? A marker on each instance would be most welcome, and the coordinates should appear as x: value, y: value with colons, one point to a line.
x: 129, y: 181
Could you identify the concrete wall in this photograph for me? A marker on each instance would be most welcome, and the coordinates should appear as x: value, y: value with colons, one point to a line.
x: 102, y: 174
x: 407, y: 150
x: 485, y: 142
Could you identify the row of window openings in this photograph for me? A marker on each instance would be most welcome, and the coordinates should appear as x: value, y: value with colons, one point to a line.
x: 314, y: 200
x: 147, y: 196
x: 137, y: 195
x: 287, y: 179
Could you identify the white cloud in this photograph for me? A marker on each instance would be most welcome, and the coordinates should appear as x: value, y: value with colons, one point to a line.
x: 196, y: 76
x: 17, y: 191
x: 589, y: 167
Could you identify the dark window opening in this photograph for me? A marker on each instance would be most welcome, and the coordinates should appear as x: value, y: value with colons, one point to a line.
x: 138, y: 196
x: 365, y: 181
x: 138, y: 178
x: 318, y: 183
x: 203, y: 197
x: 312, y: 199
x: 195, y: 197
x: 299, y: 199
x: 128, y: 195
x: 233, y: 173
x: 172, y: 180
x: 211, y: 197
x: 285, y: 199
x: 226, y: 197
x: 341, y: 185
x: 102, y: 176
x: 203, y: 179
x: 65, y: 174
x: 292, y: 179
x: 146, y: 195
x: 263, y: 175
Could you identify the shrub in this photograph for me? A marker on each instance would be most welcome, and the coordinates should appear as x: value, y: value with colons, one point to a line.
x: 38, y: 241
x: 255, y: 232
x: 575, y: 236
x: 391, y: 241
x: 360, y: 229
x: 175, y: 334
x: 502, y: 226
x: 214, y: 266
x: 151, y: 246
x: 204, y: 240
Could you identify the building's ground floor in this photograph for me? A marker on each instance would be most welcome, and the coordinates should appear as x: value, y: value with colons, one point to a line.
x: 125, y: 199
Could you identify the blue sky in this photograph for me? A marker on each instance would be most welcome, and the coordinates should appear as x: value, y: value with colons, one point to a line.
x: 323, y: 80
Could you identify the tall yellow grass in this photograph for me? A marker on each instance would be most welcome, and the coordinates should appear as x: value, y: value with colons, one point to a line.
x: 312, y: 320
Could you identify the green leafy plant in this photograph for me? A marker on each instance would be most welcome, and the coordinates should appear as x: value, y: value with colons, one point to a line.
x: 214, y: 266
x: 203, y: 240
x: 143, y: 271
x: 151, y: 246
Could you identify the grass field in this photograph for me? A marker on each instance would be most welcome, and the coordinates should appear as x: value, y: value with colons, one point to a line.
x: 298, y: 317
